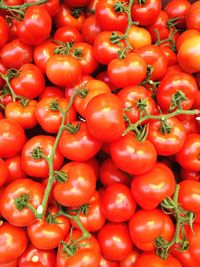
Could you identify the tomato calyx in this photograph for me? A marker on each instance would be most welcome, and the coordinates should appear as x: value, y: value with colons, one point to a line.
x: 76, y: 12
x: 37, y: 153
x: 177, y: 99
x: 63, y: 48
x: 60, y: 176
x: 54, y: 105
x: 142, y: 2
x: 120, y: 7
x: 72, y: 129
x: 183, y: 217
x: 22, y: 202
x: 82, y: 92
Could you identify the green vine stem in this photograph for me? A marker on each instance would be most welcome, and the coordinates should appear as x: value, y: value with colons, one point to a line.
x: 183, y: 217
x: 6, y: 77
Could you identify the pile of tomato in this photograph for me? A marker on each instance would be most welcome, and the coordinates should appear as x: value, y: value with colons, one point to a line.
x: 99, y: 133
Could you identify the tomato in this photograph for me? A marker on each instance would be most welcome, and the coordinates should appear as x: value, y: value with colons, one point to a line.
x: 14, y: 210
x: 146, y: 12
x: 35, y: 27
x: 50, y: 119
x: 14, y: 54
x: 3, y: 70
x: 132, y: 156
x: 9, y: 264
x: 130, y: 260
x: 90, y: 29
x: 103, y: 76
x: 42, y: 53
x: 23, y: 114
x: 4, y: 31
x: 167, y: 141
x: 188, y: 156
x: 108, y: 16
x: 138, y: 37
x: 106, y: 263
x: 105, y: 48
x: 188, y: 54
x: 52, y: 91
x: 153, y: 223
x: 12, y: 138
x: 46, y: 235
x: 114, y: 241
x: 63, y: 70
x: 77, y: 144
x: 36, y: 257
x: 128, y: 71
x: 3, y: 172
x: 171, y: 84
x: 94, y: 219
x: 29, y: 82
x: 79, y: 3
x: 87, y: 254
x: 109, y: 173
x: 51, y: 6
x: 188, y: 175
x: 79, y: 187
x: 13, y: 242
x: 170, y: 55
x: 184, y: 36
x: 154, y: 57
x: 190, y: 123
x: 131, y: 98
x: 152, y: 260
x: 69, y: 17
x: 104, y: 118
x: 14, y: 167
x: 67, y: 34
x: 90, y: 89
x: 37, y: 166
x: 192, y: 18
x: 118, y: 204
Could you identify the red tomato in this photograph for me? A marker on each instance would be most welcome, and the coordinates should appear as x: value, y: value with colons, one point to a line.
x: 106, y: 263
x: 170, y: 55
x: 114, y: 241
x: 128, y: 71
x: 12, y: 138
x: 52, y: 6
x: 15, y: 170
x: 36, y: 257
x: 138, y: 37
x: 9, y: 264
x: 3, y: 172
x: 13, y: 209
x: 67, y: 34
x: 37, y: 166
x: 35, y: 27
x: 4, y: 31
x: 188, y: 175
x: 79, y: 3
x: 153, y: 223
x: 103, y: 76
x: 118, y: 204
x: 13, y: 242
x: 130, y: 260
x: 79, y: 187
x: 104, y: 116
x: 90, y: 29
x: 132, y: 156
x: 52, y: 91
x: 3, y: 70
x: 192, y: 18
x: 185, y: 35
x: 188, y: 156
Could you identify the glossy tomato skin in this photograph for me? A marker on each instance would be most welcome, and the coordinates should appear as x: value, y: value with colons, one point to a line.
x: 184, y: 36
x: 38, y: 168
x: 192, y: 18
x: 50, y: 120
x: 104, y: 116
x: 12, y: 138
x: 13, y: 242
x: 78, y: 146
x: 36, y: 257
x: 188, y: 175
x: 87, y: 255
x: 155, y: 223
x: 3, y: 172
x: 169, y: 143
x: 138, y: 37
x: 9, y: 264
x: 79, y: 3
x: 146, y: 188
x: 118, y: 204
x: 170, y: 55
x: 131, y: 259
x: 15, y: 170
x: 118, y: 248
x: 35, y: 27
x: 188, y: 156
x: 128, y: 71
x: 132, y: 156
x: 52, y: 91
x: 14, y: 54
x: 9, y: 210
x: 106, y: 263
x: 103, y: 76
x: 4, y: 31
x: 90, y: 29
x: 68, y: 34
x: 79, y: 187
x: 30, y: 82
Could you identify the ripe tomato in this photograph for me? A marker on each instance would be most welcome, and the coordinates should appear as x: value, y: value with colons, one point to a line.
x: 132, y: 156
x: 79, y: 3
x: 68, y: 34
x: 23, y: 114
x: 13, y: 242
x: 184, y: 36
x: 103, y: 76
x: 3, y: 70
x: 14, y: 167
x: 114, y: 241
x: 50, y: 119
x: 3, y: 172
x: 170, y: 55
x: 12, y: 138
x: 128, y: 71
x: 15, y: 210
x: 4, y: 31
x: 106, y: 263
x: 90, y: 29
x: 14, y: 54
x: 188, y: 156
x: 35, y: 27
x: 63, y: 70
x: 77, y: 144
x: 130, y: 260
x: 29, y: 82
x: 37, y: 166
x: 188, y: 175
x: 118, y: 204
x: 87, y: 254
x: 154, y: 186
x: 52, y: 91
x: 192, y: 18
x: 104, y: 116
x: 9, y: 264
x: 153, y: 223
x: 36, y: 257
x: 138, y: 37
x: 79, y: 187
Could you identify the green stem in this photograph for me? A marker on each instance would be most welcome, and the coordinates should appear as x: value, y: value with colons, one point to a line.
x: 7, y: 80
x: 21, y: 7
